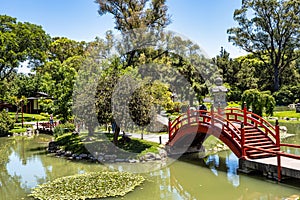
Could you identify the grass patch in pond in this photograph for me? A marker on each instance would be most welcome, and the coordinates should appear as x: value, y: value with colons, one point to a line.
x: 93, y: 185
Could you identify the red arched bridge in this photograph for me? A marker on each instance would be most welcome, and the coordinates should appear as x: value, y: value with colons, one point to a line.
x: 248, y: 135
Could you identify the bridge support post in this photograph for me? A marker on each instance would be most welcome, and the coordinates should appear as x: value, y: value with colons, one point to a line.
x: 169, y: 128
x: 243, y: 141
x: 277, y: 131
x: 188, y: 115
x: 245, y: 113
x: 212, y: 114
x: 278, y: 167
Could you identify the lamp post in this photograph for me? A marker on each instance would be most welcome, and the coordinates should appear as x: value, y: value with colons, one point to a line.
x: 219, y: 95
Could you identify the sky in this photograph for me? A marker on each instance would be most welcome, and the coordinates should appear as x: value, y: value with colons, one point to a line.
x: 205, y: 22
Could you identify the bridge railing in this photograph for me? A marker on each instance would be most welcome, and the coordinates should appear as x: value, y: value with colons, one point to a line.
x: 189, y: 118
x: 278, y: 154
x: 193, y: 118
x: 238, y: 115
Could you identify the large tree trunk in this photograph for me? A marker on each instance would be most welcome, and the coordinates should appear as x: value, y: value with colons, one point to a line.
x: 90, y: 130
x: 116, y: 134
x: 276, y: 78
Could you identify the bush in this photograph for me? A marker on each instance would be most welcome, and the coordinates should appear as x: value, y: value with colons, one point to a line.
x: 63, y: 128
x: 259, y: 101
x: 287, y: 95
x: 234, y: 94
x: 6, y: 123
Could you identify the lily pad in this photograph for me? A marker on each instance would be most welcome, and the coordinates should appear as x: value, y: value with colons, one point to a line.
x: 93, y: 185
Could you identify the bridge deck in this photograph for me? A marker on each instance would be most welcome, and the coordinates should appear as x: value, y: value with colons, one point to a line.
x: 290, y: 168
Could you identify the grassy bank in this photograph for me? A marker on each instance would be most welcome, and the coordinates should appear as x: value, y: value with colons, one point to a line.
x: 102, y: 143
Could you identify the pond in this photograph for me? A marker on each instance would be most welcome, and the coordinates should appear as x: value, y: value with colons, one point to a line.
x: 24, y: 165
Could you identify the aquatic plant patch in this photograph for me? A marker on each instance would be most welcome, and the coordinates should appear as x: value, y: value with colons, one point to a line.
x: 93, y: 185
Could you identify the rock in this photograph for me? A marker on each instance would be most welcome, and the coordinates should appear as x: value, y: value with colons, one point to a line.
x: 133, y: 161
x: 110, y: 157
x: 68, y: 153
x: 59, y: 153
x: 283, y: 128
x: 83, y: 156
x: 157, y: 157
x: 163, y: 153
x: 52, y: 147
x: 74, y: 156
x: 159, y: 124
x: 150, y: 155
x: 120, y: 160
x: 78, y: 158
x: 100, y: 158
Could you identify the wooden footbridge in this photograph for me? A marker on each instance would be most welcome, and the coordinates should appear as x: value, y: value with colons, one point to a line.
x: 250, y: 137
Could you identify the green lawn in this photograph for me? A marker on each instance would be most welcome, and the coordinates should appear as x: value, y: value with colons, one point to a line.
x: 101, y: 142
x: 30, y: 117
x: 289, y: 114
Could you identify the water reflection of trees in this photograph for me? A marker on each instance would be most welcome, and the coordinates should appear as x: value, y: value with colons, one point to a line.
x: 10, y: 186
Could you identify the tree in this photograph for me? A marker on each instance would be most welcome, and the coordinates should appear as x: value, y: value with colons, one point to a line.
x: 227, y: 66
x: 65, y: 57
x: 135, y: 14
x: 140, y: 23
x: 59, y: 83
x: 62, y: 48
x: 258, y: 101
x: 6, y: 123
x: 269, y: 27
x: 20, y: 42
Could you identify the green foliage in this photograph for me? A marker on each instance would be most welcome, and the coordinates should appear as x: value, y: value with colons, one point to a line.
x: 6, y: 123
x: 71, y: 142
x: 140, y: 106
x: 88, y: 186
x: 139, y: 146
x: 102, y: 143
x: 287, y: 95
x: 269, y: 30
x: 63, y: 128
x: 18, y: 130
x: 136, y: 14
x: 20, y: 42
x: 233, y: 104
x: 227, y: 67
x: 58, y: 82
x: 258, y: 101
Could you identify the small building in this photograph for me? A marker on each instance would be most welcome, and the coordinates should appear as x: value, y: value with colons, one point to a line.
x: 5, y: 106
x: 32, y: 106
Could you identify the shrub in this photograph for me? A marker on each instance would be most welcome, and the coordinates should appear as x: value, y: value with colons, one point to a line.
x: 287, y: 95
x: 6, y: 123
x: 63, y: 128
x: 259, y: 101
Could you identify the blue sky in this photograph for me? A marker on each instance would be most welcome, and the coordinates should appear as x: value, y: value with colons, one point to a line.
x: 203, y: 21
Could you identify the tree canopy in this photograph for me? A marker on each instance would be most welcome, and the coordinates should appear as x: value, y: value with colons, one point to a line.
x: 20, y: 42
x: 270, y: 30
x: 135, y: 14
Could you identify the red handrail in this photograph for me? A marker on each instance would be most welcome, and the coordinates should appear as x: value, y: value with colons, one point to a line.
x: 207, y: 119
x: 257, y: 120
x: 192, y: 117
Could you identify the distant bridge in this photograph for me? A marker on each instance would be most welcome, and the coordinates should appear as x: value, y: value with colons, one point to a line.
x: 249, y: 136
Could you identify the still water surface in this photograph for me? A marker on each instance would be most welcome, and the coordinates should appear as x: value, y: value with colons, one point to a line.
x: 23, y: 165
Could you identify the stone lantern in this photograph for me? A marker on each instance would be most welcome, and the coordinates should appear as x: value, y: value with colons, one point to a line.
x: 219, y: 94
